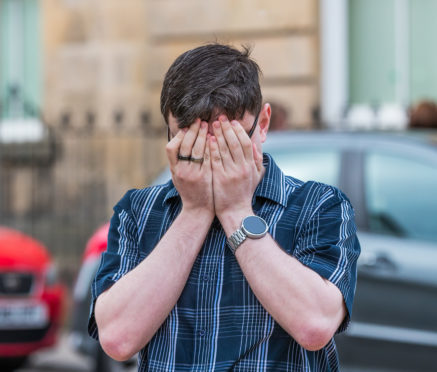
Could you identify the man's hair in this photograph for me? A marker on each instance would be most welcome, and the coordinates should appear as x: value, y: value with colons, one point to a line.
x: 209, y: 80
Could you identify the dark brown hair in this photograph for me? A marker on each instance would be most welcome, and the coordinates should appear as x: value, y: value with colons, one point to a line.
x: 211, y: 79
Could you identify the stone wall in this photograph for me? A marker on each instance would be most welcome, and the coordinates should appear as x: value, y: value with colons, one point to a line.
x: 104, y: 61
x: 283, y: 34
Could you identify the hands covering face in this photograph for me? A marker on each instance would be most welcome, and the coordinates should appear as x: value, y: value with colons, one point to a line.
x: 224, y: 183
x: 193, y: 180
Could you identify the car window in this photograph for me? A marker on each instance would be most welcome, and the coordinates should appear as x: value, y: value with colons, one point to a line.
x: 401, y: 195
x: 307, y: 164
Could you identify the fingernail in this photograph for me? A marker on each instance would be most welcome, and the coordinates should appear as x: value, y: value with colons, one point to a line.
x: 185, y: 129
x: 204, y: 125
x: 234, y: 123
x: 223, y: 118
x: 216, y: 124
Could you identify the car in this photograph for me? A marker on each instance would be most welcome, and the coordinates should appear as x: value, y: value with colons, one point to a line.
x: 391, y: 181
x: 31, y: 298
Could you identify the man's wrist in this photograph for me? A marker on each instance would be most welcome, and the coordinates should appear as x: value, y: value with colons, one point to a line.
x: 231, y: 220
x: 252, y: 227
x: 200, y: 215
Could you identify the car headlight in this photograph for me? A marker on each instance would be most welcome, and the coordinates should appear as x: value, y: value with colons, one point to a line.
x: 51, y: 276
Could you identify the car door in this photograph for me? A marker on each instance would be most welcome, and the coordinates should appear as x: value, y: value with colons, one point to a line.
x: 394, y: 323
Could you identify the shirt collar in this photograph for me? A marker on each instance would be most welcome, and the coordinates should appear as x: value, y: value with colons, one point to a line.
x: 272, y: 185
x: 171, y: 193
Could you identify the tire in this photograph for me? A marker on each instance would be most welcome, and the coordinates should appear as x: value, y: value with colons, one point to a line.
x: 12, y: 364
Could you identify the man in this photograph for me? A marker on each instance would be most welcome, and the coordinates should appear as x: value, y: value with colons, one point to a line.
x: 231, y: 265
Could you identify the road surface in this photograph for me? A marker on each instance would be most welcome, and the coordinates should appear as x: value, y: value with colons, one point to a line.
x: 63, y: 358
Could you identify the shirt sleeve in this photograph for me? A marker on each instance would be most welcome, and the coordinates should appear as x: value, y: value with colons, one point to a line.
x: 328, y: 244
x: 120, y: 257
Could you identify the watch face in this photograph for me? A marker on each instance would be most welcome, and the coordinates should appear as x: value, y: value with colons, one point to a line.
x: 254, y: 226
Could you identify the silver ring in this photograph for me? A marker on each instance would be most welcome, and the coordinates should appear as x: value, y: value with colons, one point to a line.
x: 184, y: 158
x: 197, y: 160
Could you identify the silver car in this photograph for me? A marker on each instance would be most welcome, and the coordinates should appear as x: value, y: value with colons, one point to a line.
x: 391, y: 180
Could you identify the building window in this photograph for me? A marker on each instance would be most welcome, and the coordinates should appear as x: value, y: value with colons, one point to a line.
x: 20, y: 59
x: 391, y: 53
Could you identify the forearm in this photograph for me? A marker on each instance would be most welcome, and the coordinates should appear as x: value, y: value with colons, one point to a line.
x: 307, y: 306
x: 130, y: 312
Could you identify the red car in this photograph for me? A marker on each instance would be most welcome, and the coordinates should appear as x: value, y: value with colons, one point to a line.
x: 31, y: 298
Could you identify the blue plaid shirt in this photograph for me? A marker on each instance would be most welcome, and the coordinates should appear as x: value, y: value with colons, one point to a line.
x: 218, y: 324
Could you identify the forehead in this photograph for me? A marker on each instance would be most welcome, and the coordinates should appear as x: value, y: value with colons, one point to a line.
x: 246, y: 119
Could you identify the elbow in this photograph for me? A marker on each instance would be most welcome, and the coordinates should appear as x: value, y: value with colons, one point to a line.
x: 314, y: 335
x: 115, y: 339
x: 116, y: 345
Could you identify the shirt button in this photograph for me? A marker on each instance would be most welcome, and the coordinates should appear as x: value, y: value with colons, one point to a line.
x: 205, y: 278
x: 202, y: 332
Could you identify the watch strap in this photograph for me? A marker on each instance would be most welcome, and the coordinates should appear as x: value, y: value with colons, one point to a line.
x: 235, y: 240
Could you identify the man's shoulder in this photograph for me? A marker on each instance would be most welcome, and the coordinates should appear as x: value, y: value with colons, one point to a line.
x: 136, y: 201
x: 313, y: 192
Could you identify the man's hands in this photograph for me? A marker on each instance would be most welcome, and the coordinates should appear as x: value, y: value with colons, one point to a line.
x: 192, y: 180
x: 237, y: 169
x: 223, y: 185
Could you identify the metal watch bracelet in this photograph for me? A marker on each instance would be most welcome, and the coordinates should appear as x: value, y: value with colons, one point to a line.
x: 235, y: 240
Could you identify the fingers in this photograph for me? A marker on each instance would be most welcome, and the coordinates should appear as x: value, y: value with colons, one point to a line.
x: 207, y: 157
x: 198, y: 150
x: 220, y: 140
x: 189, y: 139
x: 257, y: 157
x: 215, y: 156
x: 173, y: 146
x: 232, y: 140
x: 244, y: 139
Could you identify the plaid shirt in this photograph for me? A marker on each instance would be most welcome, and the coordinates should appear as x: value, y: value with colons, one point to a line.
x: 218, y: 324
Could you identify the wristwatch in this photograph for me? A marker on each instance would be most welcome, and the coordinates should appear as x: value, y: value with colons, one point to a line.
x: 252, y: 227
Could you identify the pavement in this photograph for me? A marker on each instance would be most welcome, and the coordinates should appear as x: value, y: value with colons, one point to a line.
x: 63, y: 358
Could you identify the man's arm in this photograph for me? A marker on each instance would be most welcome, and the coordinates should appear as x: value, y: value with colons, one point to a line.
x: 130, y: 312
x: 307, y: 306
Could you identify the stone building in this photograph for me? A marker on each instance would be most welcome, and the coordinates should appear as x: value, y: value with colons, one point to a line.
x: 92, y: 72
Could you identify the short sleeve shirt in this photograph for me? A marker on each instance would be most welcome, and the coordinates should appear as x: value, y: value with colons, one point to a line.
x: 217, y: 323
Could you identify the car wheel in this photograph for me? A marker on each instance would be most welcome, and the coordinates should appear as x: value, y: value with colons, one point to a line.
x: 11, y: 364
